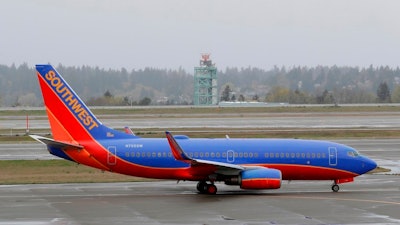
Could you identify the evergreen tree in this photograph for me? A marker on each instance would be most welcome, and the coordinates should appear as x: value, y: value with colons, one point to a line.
x: 145, y: 101
x: 241, y: 98
x: 108, y: 94
x: 383, y: 92
x: 225, y: 94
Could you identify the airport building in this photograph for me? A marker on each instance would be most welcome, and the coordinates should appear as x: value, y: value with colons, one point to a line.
x: 205, y: 82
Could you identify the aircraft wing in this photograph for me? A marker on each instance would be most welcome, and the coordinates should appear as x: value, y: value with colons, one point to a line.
x: 179, y: 154
x: 56, y: 144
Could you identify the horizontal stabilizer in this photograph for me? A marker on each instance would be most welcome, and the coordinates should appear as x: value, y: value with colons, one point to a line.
x: 56, y: 144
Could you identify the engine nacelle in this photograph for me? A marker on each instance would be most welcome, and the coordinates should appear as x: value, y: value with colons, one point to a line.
x: 262, y: 178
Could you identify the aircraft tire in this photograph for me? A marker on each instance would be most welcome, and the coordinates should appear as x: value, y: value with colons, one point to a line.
x: 202, y: 187
x: 335, y: 188
x: 211, y: 189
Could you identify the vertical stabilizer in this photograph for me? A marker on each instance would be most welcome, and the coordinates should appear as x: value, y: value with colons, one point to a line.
x: 70, y: 119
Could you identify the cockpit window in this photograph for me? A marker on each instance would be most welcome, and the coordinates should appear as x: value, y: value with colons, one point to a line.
x: 353, y: 153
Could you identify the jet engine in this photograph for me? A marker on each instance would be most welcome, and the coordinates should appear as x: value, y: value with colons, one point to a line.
x: 260, y: 178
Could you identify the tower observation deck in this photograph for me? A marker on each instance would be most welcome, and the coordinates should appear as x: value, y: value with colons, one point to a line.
x: 205, y: 82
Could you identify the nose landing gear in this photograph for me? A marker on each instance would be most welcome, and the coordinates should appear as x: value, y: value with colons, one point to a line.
x: 335, y: 188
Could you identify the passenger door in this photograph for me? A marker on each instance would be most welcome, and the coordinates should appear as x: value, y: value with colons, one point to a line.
x: 333, y: 156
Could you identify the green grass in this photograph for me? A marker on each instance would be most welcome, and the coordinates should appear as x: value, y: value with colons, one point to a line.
x: 55, y: 171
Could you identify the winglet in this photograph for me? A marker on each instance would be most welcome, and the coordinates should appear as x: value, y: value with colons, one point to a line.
x: 129, y: 131
x: 176, y: 150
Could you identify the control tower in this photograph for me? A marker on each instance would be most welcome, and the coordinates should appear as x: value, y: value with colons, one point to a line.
x: 205, y: 82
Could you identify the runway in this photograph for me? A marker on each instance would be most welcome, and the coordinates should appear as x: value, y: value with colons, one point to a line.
x: 372, y: 199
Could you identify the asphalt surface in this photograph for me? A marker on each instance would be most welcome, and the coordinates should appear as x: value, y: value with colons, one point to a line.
x: 371, y: 199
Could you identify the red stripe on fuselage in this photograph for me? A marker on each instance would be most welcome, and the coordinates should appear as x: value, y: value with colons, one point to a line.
x: 308, y: 172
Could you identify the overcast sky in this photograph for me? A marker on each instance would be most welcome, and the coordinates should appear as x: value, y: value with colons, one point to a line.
x: 173, y: 33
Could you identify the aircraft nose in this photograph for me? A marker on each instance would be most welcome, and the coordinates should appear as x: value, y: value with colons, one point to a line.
x: 368, y: 164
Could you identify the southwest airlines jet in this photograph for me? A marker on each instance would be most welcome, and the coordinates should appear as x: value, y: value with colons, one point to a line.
x: 80, y: 137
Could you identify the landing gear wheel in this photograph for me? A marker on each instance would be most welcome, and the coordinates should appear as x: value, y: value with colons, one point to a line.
x: 211, y: 189
x: 202, y: 187
x: 335, y: 188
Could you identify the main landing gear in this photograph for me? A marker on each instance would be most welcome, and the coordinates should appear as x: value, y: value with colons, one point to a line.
x: 205, y: 188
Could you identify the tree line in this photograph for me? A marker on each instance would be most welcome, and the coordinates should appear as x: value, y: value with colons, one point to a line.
x: 320, y: 84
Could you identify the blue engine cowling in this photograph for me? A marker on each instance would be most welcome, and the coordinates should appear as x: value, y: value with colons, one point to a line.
x: 262, y: 178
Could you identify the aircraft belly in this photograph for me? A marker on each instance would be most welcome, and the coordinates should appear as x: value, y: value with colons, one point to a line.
x: 303, y: 172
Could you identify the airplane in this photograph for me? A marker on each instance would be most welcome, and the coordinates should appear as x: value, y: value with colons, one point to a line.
x: 253, y: 163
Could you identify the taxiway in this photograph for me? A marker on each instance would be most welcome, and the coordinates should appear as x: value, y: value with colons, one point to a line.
x: 372, y: 199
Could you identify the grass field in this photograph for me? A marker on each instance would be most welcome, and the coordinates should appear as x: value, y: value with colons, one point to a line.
x: 55, y: 171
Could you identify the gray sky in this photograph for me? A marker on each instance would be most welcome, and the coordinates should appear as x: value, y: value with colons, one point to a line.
x: 173, y: 33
